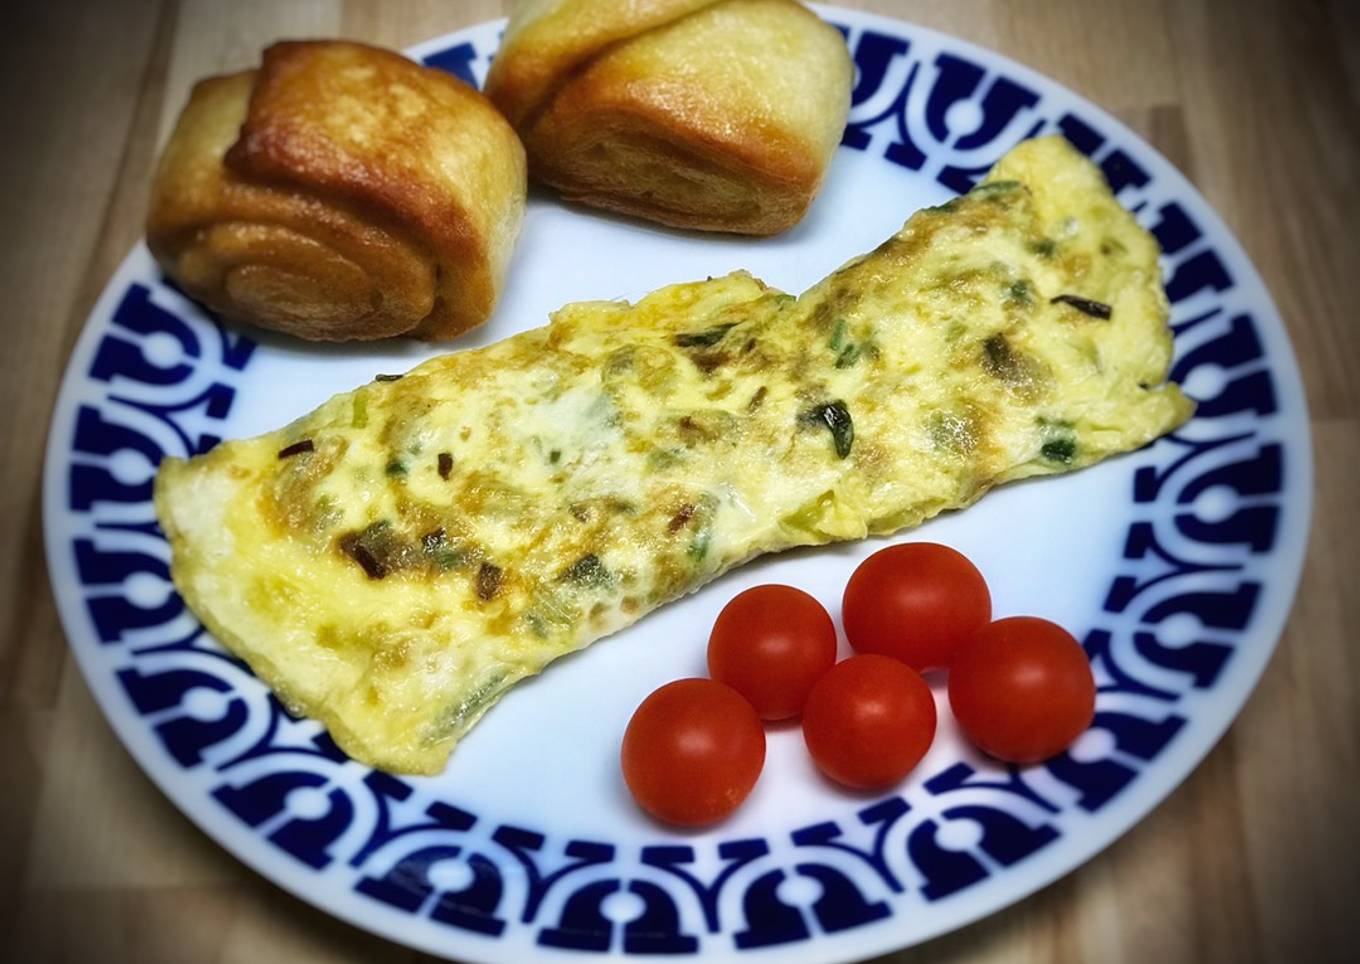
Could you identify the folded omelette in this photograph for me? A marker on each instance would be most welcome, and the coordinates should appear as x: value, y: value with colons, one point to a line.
x: 394, y: 561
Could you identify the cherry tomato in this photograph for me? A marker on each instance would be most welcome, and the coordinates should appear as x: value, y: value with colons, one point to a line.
x: 868, y: 721
x: 915, y: 602
x: 770, y: 644
x: 692, y: 752
x: 1022, y: 689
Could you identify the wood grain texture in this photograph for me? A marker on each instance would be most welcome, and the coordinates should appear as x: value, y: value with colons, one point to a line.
x: 1255, y: 858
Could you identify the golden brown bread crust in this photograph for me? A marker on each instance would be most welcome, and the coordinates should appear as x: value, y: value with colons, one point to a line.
x: 713, y: 114
x: 340, y: 192
x: 548, y: 40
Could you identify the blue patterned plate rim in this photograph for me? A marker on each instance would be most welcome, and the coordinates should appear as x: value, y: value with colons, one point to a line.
x: 899, y: 876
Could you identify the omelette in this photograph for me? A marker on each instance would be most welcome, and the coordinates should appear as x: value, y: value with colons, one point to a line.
x: 393, y: 562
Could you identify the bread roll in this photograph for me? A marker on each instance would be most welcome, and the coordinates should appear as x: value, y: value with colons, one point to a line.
x: 721, y: 115
x: 339, y: 192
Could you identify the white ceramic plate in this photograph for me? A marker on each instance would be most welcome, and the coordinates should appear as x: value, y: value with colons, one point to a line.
x: 1176, y: 565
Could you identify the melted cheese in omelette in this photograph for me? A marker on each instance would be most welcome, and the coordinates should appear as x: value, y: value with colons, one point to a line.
x: 392, y: 562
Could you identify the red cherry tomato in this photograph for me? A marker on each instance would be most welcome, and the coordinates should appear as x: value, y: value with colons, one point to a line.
x: 770, y: 644
x: 692, y: 752
x: 868, y: 721
x: 1022, y: 689
x: 915, y: 602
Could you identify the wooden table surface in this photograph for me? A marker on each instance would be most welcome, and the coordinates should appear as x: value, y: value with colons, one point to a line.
x: 1255, y: 857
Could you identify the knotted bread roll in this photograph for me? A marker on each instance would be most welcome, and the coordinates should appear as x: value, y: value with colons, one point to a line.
x: 713, y: 114
x: 339, y: 192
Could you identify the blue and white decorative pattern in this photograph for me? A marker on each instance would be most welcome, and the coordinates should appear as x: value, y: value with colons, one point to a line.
x: 1216, y: 517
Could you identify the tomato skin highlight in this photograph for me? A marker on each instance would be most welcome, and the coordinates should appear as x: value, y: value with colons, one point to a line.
x: 869, y: 721
x: 771, y: 644
x: 916, y: 602
x: 692, y: 752
x: 1022, y: 689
